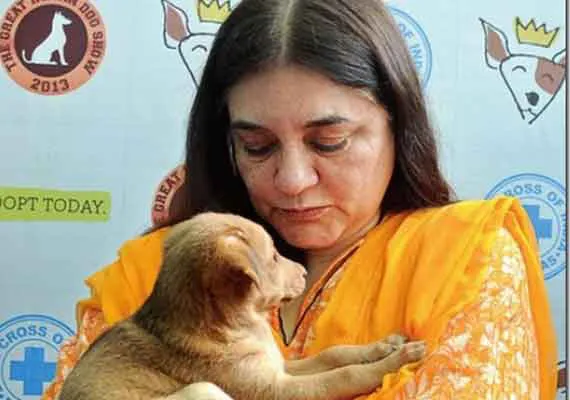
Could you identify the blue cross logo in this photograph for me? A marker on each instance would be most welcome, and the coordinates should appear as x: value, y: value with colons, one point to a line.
x: 33, y: 371
x: 542, y: 226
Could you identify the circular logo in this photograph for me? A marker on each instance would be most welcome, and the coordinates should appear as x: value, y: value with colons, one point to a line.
x: 544, y: 200
x: 51, y: 47
x: 168, y: 196
x: 28, y: 354
x: 418, y: 43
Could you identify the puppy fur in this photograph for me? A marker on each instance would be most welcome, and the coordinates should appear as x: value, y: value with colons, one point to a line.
x: 203, y: 331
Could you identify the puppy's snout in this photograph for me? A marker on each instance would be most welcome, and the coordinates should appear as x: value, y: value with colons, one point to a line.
x: 295, y: 280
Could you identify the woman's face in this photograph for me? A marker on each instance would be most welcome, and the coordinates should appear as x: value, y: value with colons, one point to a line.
x: 316, y: 157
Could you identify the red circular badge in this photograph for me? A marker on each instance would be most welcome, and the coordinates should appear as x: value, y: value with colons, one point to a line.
x: 168, y: 195
x: 52, y: 47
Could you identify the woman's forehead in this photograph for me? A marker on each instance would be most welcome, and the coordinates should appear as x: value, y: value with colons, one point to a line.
x: 297, y: 95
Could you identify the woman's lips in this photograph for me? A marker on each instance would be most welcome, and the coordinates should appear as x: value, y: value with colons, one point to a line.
x: 303, y: 214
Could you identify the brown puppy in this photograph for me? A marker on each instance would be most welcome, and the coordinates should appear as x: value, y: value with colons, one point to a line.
x: 206, y: 320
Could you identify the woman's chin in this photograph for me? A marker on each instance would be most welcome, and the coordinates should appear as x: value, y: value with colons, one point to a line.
x: 307, y: 240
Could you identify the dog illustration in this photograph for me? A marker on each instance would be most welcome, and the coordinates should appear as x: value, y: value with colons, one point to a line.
x: 532, y: 80
x: 204, y: 333
x: 53, y: 43
x: 192, y: 32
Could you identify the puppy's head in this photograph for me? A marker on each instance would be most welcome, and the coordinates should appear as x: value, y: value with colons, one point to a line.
x: 234, y: 259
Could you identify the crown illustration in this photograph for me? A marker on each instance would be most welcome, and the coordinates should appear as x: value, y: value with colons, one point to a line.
x: 213, y: 12
x: 530, y: 34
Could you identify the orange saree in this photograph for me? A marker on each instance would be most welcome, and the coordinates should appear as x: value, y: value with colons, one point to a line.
x: 466, y: 278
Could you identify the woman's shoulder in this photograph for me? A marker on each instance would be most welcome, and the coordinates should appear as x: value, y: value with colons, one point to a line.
x: 471, y: 210
x: 135, y: 255
x: 119, y: 288
x: 467, y: 218
x: 143, y: 250
x: 145, y: 247
x: 153, y: 238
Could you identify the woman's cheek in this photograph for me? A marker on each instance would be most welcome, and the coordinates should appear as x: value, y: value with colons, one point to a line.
x: 255, y: 181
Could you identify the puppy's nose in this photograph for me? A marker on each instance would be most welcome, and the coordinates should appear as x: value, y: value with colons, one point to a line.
x: 532, y: 98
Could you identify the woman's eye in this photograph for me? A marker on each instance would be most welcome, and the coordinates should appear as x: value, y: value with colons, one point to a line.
x: 258, y: 150
x: 330, y: 146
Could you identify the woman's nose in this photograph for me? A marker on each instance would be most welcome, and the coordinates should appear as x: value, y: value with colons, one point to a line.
x: 294, y: 172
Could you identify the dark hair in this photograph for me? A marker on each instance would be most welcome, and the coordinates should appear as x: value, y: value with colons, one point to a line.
x: 352, y: 42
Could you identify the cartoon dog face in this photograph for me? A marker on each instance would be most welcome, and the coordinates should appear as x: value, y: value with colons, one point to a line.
x: 191, y: 30
x: 532, y: 80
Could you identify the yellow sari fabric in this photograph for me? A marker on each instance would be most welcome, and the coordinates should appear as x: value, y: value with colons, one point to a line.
x: 416, y: 271
x: 411, y: 274
x: 122, y: 287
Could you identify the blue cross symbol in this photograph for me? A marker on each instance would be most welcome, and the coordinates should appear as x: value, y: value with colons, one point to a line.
x: 33, y: 371
x: 542, y: 226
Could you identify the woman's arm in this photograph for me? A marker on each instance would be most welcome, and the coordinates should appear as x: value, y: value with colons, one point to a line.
x: 489, y: 349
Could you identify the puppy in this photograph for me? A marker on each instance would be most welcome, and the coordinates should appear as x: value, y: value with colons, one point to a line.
x: 206, y: 321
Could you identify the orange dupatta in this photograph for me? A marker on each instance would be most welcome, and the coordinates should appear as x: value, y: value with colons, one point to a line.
x: 122, y: 287
x: 411, y: 275
x: 415, y: 271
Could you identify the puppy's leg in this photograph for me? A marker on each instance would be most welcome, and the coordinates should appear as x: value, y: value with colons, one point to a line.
x: 395, y: 339
x: 199, y: 391
x: 339, y: 356
x: 348, y: 381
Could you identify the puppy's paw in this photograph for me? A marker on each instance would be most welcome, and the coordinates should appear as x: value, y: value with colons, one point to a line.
x: 395, y: 339
x: 405, y: 354
x: 383, y: 348
x: 412, y: 351
x: 378, y: 351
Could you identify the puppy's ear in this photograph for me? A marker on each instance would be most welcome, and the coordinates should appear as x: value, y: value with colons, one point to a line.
x: 234, y: 275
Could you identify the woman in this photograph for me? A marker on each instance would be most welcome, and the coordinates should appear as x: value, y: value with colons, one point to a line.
x: 310, y: 120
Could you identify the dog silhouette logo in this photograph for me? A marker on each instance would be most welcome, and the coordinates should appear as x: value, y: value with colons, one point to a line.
x: 51, y: 47
x: 54, y: 43
x: 532, y: 79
